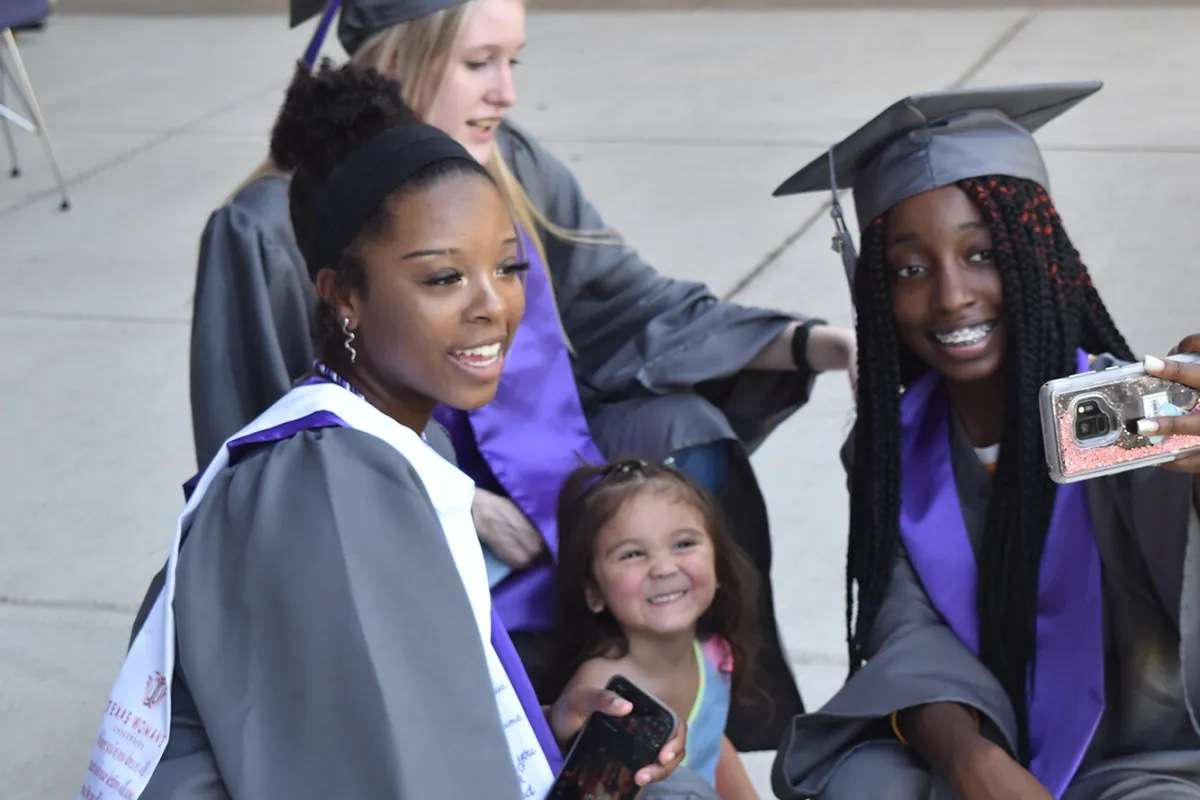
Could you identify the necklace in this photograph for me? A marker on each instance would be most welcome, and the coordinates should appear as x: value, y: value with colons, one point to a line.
x: 331, y: 375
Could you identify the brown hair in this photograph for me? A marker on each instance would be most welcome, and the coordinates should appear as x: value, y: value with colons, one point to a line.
x: 590, y: 498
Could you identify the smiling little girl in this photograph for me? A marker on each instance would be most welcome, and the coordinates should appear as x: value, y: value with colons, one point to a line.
x: 652, y: 587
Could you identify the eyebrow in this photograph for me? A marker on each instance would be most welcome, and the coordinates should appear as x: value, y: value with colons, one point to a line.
x: 621, y: 544
x: 638, y: 543
x: 444, y: 251
x: 904, y: 238
x: 491, y: 47
x: 448, y: 251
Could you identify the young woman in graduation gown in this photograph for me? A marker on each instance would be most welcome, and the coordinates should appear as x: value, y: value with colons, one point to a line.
x: 325, y: 629
x: 1013, y: 638
x: 613, y: 358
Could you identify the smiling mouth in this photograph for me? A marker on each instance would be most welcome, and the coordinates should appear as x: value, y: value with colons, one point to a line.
x: 485, y: 124
x: 485, y: 355
x: 666, y: 597
x: 965, y: 336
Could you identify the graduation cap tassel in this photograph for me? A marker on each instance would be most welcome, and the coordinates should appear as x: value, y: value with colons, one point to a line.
x: 318, y: 38
x: 843, y: 242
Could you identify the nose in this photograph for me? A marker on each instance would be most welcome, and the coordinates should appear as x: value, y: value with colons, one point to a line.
x: 503, y: 91
x: 662, y: 565
x: 954, y: 290
x: 488, y: 302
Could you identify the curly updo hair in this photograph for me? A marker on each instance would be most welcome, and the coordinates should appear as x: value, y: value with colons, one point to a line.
x: 326, y: 117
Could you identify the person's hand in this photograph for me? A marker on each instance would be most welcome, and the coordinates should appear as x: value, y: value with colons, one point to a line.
x: 577, y: 703
x: 988, y: 772
x: 1188, y: 375
x: 507, y: 531
x: 830, y: 347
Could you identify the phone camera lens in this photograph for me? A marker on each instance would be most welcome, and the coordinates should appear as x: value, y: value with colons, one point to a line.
x: 1090, y: 421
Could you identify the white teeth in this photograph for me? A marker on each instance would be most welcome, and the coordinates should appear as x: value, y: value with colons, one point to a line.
x: 670, y: 597
x: 478, y: 357
x: 483, y: 351
x: 965, y: 336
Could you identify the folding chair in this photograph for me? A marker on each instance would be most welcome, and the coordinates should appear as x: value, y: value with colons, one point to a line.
x: 13, y: 14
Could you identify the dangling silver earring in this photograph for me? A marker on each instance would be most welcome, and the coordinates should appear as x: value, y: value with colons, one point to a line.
x: 349, y: 343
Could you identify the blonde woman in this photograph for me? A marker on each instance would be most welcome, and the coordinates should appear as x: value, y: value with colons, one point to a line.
x: 612, y: 358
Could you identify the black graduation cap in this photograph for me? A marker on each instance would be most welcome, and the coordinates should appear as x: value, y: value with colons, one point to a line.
x: 930, y: 140
x: 360, y: 19
x: 304, y: 10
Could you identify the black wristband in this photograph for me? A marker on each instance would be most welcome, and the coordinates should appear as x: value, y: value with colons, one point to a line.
x: 800, y: 343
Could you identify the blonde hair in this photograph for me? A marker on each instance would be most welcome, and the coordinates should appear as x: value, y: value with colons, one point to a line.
x: 421, y: 48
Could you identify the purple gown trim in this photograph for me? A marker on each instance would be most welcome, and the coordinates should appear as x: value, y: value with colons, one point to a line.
x: 318, y: 38
x: 317, y: 419
x: 511, y: 662
x: 526, y: 441
x: 1066, y: 694
x: 500, y: 639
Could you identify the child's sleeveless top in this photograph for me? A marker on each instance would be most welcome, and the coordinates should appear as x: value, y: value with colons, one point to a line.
x: 706, y: 722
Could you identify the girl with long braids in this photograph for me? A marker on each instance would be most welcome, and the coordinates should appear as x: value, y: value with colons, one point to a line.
x: 1008, y: 638
x: 325, y: 627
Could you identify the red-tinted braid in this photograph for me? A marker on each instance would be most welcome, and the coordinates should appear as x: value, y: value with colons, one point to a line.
x: 1051, y: 308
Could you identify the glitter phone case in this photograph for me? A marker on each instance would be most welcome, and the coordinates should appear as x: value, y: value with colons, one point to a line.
x: 1089, y: 421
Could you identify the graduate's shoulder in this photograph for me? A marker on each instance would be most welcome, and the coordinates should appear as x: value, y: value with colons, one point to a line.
x: 321, y: 479
x: 341, y: 453
x: 257, y: 208
x: 539, y: 171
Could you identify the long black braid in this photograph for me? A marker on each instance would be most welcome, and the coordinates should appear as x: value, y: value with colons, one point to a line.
x: 1051, y: 308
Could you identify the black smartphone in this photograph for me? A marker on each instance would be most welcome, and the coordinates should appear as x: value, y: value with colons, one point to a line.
x: 610, y: 750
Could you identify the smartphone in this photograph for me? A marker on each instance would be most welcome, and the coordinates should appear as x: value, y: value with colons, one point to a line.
x: 1089, y: 421
x: 610, y: 750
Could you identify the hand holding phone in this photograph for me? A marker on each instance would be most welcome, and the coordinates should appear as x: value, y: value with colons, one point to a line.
x: 1090, y: 421
x: 608, y: 753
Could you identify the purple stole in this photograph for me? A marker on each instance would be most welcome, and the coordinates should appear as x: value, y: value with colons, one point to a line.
x: 526, y: 441
x: 500, y: 639
x: 1066, y: 689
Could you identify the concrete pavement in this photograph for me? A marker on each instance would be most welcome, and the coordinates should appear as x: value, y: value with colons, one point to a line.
x: 678, y: 124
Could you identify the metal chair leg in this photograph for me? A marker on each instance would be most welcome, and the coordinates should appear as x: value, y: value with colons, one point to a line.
x: 25, y: 88
x: 14, y: 168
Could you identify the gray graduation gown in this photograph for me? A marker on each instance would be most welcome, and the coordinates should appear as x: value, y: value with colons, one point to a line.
x: 325, y: 645
x: 1147, y: 746
x: 660, y: 363
x: 251, y: 315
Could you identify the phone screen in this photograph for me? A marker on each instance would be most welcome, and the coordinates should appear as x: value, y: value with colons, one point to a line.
x: 610, y: 750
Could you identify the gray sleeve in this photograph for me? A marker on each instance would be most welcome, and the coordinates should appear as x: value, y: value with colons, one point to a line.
x: 1156, y: 509
x: 912, y: 658
x: 325, y: 636
x: 250, y: 318
x: 187, y: 770
x: 636, y: 332
x: 438, y: 438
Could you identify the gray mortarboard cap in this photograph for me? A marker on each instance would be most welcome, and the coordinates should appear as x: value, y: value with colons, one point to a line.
x: 362, y: 19
x: 303, y: 10
x: 927, y: 141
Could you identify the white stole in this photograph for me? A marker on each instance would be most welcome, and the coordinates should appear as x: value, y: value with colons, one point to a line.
x: 137, y: 721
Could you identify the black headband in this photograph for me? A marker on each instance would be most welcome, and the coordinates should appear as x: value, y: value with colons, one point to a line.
x: 358, y: 186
